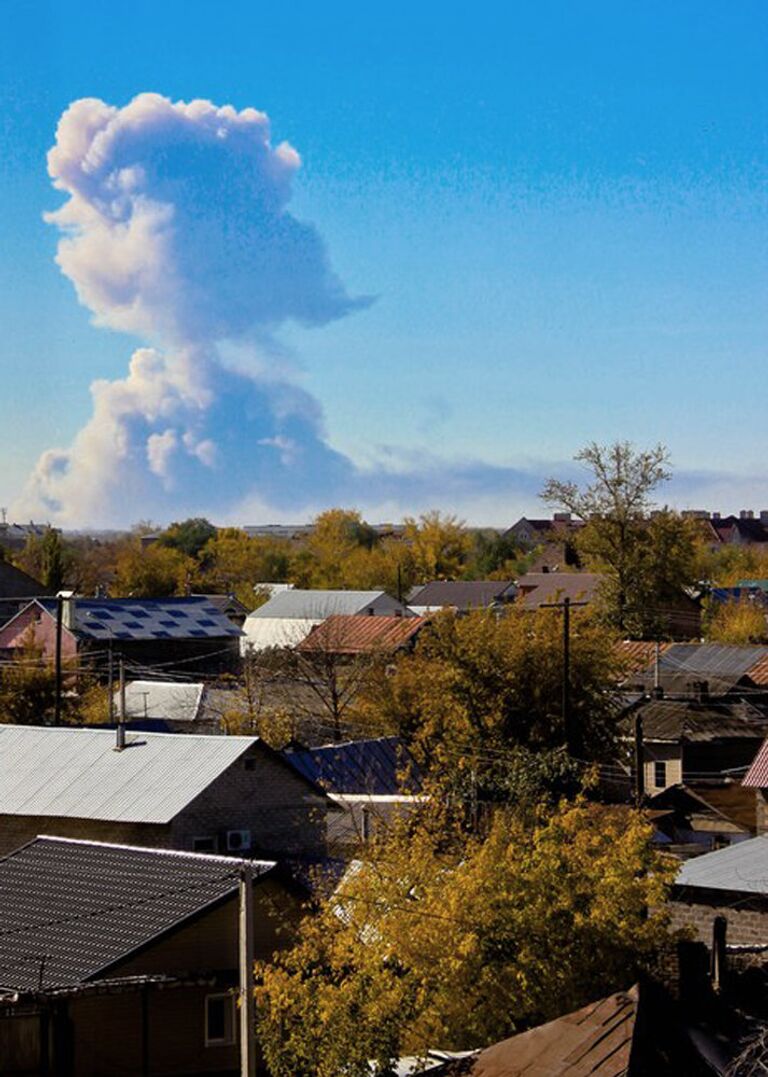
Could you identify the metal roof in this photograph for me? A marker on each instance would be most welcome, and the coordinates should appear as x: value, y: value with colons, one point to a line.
x: 361, y: 766
x: 710, y: 658
x: 757, y: 775
x: 71, y: 909
x: 538, y: 588
x: 317, y: 605
x: 148, y: 618
x: 742, y: 868
x: 357, y: 633
x: 78, y: 774
x: 168, y: 700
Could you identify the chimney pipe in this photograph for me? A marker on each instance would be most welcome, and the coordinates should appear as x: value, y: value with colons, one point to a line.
x: 120, y: 731
x: 718, y: 957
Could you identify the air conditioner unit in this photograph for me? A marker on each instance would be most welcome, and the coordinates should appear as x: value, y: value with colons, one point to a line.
x: 238, y: 841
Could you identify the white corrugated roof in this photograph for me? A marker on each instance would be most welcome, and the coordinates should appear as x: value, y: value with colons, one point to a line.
x: 742, y: 867
x: 317, y: 605
x: 264, y: 632
x: 77, y: 773
x: 162, y: 699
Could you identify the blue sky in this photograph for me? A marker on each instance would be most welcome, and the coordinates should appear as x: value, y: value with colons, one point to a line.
x: 560, y: 209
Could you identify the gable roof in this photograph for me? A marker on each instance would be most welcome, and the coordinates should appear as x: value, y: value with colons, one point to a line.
x: 78, y: 774
x: 146, y: 618
x: 463, y: 594
x: 88, y: 905
x: 358, y: 767
x: 357, y: 633
x: 742, y: 868
x: 692, y: 721
x: 722, y: 665
x: 537, y: 588
x: 17, y: 584
x: 317, y: 605
x: 757, y: 775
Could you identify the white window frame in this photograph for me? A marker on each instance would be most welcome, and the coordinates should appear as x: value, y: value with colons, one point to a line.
x: 227, y: 1040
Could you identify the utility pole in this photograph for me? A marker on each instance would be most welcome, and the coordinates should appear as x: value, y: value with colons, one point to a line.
x: 111, y: 684
x: 57, y: 660
x: 571, y: 734
x: 247, y: 1014
x: 639, y: 762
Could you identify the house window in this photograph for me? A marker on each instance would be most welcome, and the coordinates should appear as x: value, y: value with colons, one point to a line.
x: 660, y: 773
x: 219, y: 1020
x: 204, y: 845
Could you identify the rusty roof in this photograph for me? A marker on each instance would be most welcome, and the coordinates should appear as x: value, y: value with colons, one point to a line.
x: 595, y: 1041
x: 638, y: 654
x: 360, y: 634
x: 539, y: 588
x: 757, y: 775
x: 693, y: 721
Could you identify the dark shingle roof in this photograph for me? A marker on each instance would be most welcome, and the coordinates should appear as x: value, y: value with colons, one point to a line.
x: 693, y: 721
x: 538, y: 588
x: 359, y: 767
x: 148, y: 618
x: 17, y: 584
x: 72, y: 909
x: 463, y: 594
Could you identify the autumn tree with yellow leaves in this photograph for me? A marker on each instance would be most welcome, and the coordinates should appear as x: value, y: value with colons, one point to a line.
x: 439, y: 939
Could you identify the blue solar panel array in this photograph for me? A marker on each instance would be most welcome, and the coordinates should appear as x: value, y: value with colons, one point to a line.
x: 148, y: 618
x: 380, y: 767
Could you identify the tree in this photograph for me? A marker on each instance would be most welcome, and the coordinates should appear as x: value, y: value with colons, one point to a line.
x: 46, y: 558
x: 440, y: 546
x: 233, y: 562
x: 27, y: 687
x: 189, y: 536
x: 152, y: 572
x: 439, y: 939
x: 480, y: 691
x: 736, y: 622
x: 337, y: 536
x: 647, y: 559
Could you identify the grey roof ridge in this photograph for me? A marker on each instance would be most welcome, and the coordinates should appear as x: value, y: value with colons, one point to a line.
x: 111, y: 733
x: 180, y: 854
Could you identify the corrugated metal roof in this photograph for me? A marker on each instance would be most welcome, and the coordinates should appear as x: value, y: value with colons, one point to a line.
x: 86, y: 905
x: 167, y: 700
x: 317, y: 605
x: 711, y: 658
x: 358, y: 634
x: 595, y: 1041
x: 639, y: 654
x: 757, y: 775
x: 360, y: 766
x: 742, y: 868
x: 261, y: 633
x: 78, y: 774
x: 148, y: 618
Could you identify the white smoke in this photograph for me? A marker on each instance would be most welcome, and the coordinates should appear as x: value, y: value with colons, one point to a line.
x: 175, y: 229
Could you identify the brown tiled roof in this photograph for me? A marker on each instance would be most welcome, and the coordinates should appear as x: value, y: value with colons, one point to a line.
x: 758, y: 673
x: 360, y: 634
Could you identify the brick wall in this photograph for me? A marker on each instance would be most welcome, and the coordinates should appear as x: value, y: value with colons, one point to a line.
x: 747, y: 916
x: 260, y: 793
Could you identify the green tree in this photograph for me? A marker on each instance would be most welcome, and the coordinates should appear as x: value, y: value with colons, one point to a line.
x: 233, y: 562
x: 440, y: 546
x: 647, y: 558
x: 440, y: 939
x: 736, y: 622
x: 480, y: 691
x: 154, y: 571
x: 27, y: 687
x: 189, y: 536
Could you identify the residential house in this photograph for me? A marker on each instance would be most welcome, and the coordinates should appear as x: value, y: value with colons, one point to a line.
x: 702, y: 815
x: 685, y: 740
x: 287, y: 617
x: 537, y: 589
x: 15, y: 536
x: 746, y: 529
x: 756, y: 779
x: 730, y: 882
x: 123, y: 960
x: 719, y: 669
x: 196, y: 793
x: 150, y: 632
x: 353, y: 635
x: 554, y: 539
x: 462, y: 595
x: 229, y: 605
x: 370, y: 780
x: 17, y: 589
